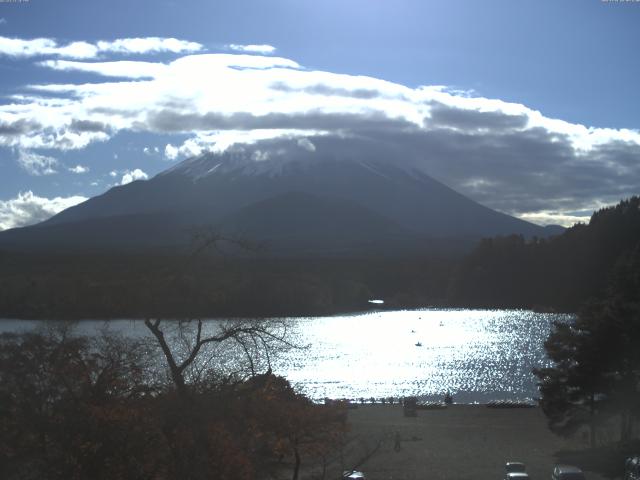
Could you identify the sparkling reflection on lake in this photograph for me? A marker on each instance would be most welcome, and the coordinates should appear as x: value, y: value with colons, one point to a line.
x: 477, y: 355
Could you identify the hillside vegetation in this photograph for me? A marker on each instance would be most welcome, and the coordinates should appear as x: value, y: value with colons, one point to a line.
x: 560, y: 273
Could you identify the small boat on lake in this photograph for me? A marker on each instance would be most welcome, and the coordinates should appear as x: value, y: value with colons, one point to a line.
x: 418, y: 344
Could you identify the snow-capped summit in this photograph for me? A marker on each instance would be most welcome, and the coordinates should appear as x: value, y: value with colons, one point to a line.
x: 270, y: 158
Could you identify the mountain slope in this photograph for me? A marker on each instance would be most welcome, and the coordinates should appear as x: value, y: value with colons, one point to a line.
x: 297, y: 223
x: 296, y: 199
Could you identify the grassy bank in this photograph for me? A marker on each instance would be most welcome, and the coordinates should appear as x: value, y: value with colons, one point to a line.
x: 460, y: 442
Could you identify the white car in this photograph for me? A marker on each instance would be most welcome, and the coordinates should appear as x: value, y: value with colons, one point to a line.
x: 517, y: 476
x: 353, y: 475
x: 515, y: 471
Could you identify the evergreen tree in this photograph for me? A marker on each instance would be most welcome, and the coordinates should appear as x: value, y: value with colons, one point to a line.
x: 596, y: 371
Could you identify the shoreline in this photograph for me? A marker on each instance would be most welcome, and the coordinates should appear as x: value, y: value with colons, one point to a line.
x: 298, y: 316
x: 499, y: 404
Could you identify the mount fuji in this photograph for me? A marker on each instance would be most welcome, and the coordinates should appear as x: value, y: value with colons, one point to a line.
x: 329, y: 197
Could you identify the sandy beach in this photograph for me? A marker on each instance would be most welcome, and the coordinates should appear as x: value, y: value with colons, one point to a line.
x: 460, y: 442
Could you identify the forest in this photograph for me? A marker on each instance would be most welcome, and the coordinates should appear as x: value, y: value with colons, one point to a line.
x: 555, y: 274
x: 107, y: 286
x: 560, y: 273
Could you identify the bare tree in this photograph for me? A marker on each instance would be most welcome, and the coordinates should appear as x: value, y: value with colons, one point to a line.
x: 256, y: 339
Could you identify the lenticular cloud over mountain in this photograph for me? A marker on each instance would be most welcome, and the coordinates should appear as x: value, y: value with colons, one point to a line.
x: 502, y: 154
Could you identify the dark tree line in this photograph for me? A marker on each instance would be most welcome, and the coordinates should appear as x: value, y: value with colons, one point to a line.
x: 595, y: 378
x: 560, y: 273
x: 107, y: 286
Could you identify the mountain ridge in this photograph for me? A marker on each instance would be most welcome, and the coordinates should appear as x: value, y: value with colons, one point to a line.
x: 349, y: 196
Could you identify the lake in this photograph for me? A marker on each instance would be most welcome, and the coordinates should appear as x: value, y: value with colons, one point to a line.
x: 477, y: 355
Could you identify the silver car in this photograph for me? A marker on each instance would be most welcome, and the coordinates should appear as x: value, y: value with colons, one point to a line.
x: 517, y: 476
x: 515, y: 471
x: 353, y: 475
x: 567, y: 472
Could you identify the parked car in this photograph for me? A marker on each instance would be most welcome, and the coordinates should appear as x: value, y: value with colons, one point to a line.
x: 517, y: 476
x: 353, y: 475
x: 567, y: 472
x: 632, y: 468
x: 510, y: 467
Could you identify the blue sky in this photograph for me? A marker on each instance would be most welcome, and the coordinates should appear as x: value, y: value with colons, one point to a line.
x: 570, y: 69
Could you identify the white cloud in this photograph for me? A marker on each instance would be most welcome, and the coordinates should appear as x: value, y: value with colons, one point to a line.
x: 28, y: 208
x: 306, y: 144
x: 16, y: 47
x: 260, y: 156
x: 3, y: 21
x: 220, y: 141
x: 36, y: 164
x: 506, y: 155
x: 223, y: 92
x: 554, y: 218
x: 133, y: 175
x: 148, y: 45
x: 171, y: 152
x: 190, y: 148
x: 72, y: 50
x: 261, y: 49
x: 79, y: 169
x: 151, y: 151
x: 113, y: 173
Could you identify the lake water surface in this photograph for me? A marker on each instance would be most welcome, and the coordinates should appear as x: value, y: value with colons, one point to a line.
x: 477, y: 355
